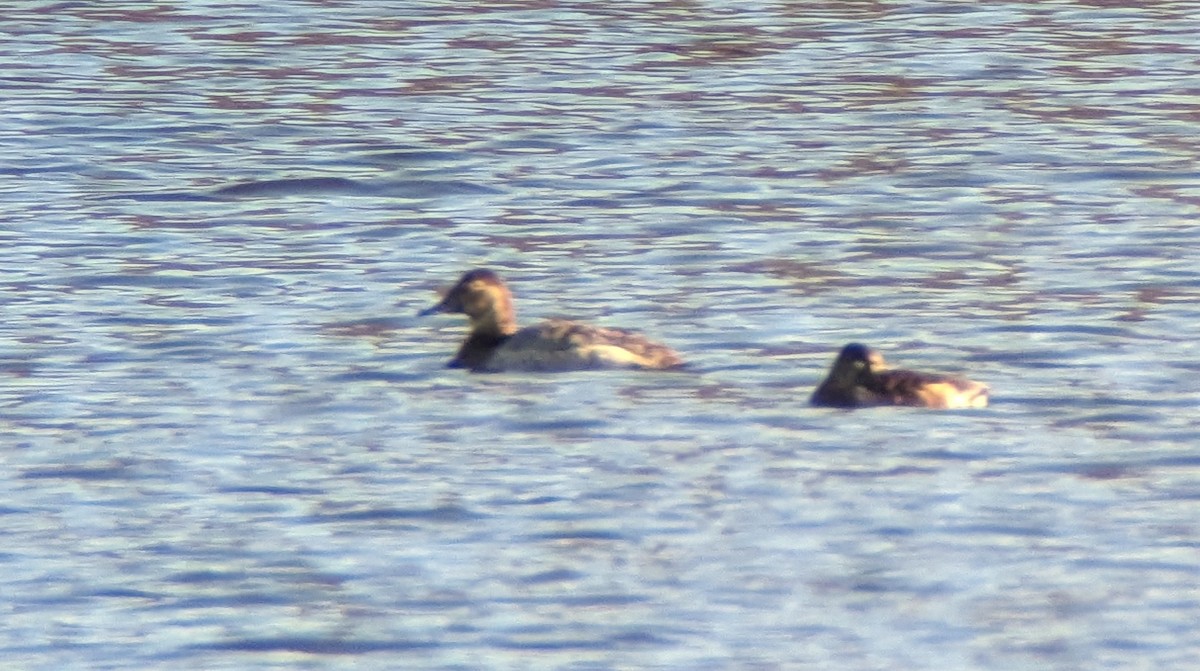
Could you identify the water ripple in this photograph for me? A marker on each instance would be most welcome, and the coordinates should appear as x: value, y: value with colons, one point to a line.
x: 231, y: 444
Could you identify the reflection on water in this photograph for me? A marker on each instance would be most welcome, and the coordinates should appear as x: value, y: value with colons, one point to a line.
x: 232, y: 444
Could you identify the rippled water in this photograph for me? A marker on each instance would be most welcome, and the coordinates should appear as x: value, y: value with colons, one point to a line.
x: 231, y: 444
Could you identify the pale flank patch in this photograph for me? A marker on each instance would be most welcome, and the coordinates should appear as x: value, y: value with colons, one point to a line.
x: 612, y: 355
x: 974, y: 394
x: 953, y: 394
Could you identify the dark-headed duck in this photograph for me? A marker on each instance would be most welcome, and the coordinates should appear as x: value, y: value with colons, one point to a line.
x: 496, y: 344
x: 860, y: 378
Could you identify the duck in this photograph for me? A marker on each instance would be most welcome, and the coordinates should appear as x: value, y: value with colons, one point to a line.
x: 495, y: 343
x: 860, y: 378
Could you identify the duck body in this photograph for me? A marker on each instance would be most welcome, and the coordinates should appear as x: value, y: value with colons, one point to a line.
x: 495, y: 343
x: 860, y: 378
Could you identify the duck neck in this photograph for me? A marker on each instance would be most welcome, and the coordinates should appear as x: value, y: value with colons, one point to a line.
x: 476, y: 350
x: 493, y: 324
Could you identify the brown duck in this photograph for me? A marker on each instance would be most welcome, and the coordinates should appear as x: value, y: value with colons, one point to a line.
x: 495, y: 343
x: 859, y: 378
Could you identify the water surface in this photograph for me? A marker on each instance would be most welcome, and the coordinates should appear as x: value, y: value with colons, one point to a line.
x: 231, y: 444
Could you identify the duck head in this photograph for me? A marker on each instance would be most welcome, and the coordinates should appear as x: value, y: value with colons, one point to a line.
x: 856, y: 362
x: 483, y: 297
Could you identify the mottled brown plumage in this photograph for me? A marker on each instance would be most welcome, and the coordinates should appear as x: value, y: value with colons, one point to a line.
x: 495, y: 343
x: 859, y: 378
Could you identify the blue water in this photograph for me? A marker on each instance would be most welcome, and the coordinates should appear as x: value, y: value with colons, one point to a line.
x: 231, y: 444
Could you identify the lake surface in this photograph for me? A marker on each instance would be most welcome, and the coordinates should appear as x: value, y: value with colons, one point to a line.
x: 231, y: 444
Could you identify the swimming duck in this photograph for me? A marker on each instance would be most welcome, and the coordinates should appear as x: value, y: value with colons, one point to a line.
x: 859, y: 378
x: 496, y: 344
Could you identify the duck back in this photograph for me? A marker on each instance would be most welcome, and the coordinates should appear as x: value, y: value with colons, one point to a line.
x: 906, y: 387
x: 560, y: 345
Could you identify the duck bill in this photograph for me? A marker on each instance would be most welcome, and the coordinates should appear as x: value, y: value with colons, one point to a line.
x: 433, y: 309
